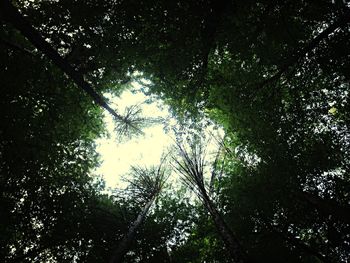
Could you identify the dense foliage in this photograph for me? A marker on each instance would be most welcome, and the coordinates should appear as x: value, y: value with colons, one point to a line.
x: 273, y: 74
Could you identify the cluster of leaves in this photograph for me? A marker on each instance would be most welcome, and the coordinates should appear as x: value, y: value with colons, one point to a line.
x: 273, y: 74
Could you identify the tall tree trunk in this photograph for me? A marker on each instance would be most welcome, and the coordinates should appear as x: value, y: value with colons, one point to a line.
x: 123, y: 246
x: 10, y: 14
x: 328, y: 206
x: 233, y: 246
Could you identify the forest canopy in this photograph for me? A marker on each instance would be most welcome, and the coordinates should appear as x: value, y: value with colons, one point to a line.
x: 273, y: 75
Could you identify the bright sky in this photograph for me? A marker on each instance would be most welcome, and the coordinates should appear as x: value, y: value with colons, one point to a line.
x: 117, y: 156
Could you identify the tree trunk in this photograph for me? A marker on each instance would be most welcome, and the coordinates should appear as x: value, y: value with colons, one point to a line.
x: 301, y: 53
x: 124, y: 244
x: 289, y: 238
x: 304, y: 247
x: 236, y: 251
x: 328, y: 206
x: 10, y: 14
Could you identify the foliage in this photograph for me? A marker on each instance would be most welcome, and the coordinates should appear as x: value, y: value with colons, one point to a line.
x: 273, y: 74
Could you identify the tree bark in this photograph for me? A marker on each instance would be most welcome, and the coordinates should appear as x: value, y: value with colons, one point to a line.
x: 10, y: 14
x: 236, y: 251
x: 123, y: 246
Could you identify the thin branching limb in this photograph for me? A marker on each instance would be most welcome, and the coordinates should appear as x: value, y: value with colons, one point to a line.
x: 190, y: 164
x: 133, y: 122
x: 145, y: 185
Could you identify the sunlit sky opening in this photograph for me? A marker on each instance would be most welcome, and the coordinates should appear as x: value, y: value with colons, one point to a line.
x: 117, y: 155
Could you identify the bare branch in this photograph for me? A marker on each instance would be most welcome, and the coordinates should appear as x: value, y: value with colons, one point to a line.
x: 190, y: 166
x: 133, y: 122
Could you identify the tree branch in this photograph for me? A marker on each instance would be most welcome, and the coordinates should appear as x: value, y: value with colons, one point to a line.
x: 16, y: 47
x: 301, y: 53
x: 10, y: 14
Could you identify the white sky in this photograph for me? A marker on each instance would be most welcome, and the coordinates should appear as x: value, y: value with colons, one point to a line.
x: 146, y: 150
x: 117, y: 156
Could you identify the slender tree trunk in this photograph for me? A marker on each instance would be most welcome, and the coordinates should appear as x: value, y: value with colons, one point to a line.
x: 10, y: 14
x: 214, y: 174
x: 170, y: 260
x: 16, y: 47
x: 301, y: 53
x: 327, y: 206
x: 123, y: 246
x: 289, y: 238
x: 306, y: 248
x: 236, y: 251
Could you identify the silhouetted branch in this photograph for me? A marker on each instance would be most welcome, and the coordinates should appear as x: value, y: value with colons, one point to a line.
x: 301, y: 53
x: 146, y: 184
x: 190, y: 166
x: 16, y: 47
x: 11, y: 14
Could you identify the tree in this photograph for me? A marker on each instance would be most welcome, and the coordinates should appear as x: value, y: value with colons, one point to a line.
x: 146, y: 186
x: 10, y: 14
x: 273, y: 74
x: 191, y: 167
